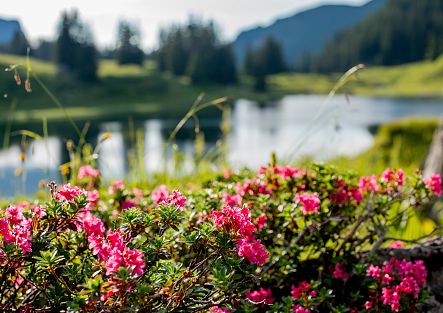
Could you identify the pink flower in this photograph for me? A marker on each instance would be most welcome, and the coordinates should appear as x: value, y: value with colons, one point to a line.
x: 133, y: 259
x: 299, y: 309
x: 159, y: 194
x: 92, y: 225
x: 397, y: 244
x: 301, y: 290
x: 260, y: 222
x: 373, y: 271
x: 176, y: 199
x: 138, y: 193
x: 128, y: 204
x: 216, y: 309
x: 232, y: 200
x: 254, y: 251
x: 394, y: 178
x: 261, y: 296
x: 309, y: 202
x: 234, y: 220
x: 88, y: 171
x: 369, y: 183
x: 433, y: 183
x: 339, y: 272
x: 368, y: 305
x: 117, y: 185
x: 391, y: 297
x: 69, y: 193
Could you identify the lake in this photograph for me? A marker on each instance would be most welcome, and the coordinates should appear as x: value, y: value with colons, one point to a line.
x: 295, y: 126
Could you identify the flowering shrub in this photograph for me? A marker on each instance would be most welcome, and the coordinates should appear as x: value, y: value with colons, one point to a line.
x: 281, y: 240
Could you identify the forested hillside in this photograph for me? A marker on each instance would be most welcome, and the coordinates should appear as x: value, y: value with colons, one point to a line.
x: 403, y: 31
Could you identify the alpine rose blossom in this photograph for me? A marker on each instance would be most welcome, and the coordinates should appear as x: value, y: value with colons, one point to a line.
x: 369, y: 183
x: 69, y: 193
x: 234, y: 220
x: 310, y: 203
x: 261, y: 296
x: 175, y: 199
x: 87, y: 171
x: 393, y: 178
x: 254, y: 251
x: 433, y: 183
x: 159, y: 194
x: 216, y: 309
x: 340, y: 272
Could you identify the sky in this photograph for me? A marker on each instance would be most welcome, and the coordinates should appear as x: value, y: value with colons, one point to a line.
x: 39, y: 18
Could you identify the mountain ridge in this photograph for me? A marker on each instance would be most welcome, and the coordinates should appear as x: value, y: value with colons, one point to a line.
x: 317, y: 25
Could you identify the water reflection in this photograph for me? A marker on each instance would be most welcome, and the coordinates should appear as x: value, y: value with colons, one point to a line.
x: 294, y: 127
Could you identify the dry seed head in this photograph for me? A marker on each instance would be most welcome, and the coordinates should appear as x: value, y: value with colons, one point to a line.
x: 28, y: 85
x: 17, y: 78
x: 69, y: 144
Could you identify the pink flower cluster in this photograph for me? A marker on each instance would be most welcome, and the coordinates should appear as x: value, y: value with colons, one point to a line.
x: 300, y: 309
x: 234, y: 220
x: 260, y: 296
x: 159, y: 194
x: 340, y: 272
x: 369, y: 183
x: 310, y: 202
x: 15, y: 228
x: 254, y: 187
x: 345, y: 193
x: 110, y: 248
x: 285, y: 172
x: 397, y: 278
x: 302, y: 291
x: 232, y: 200
x: 252, y: 250
x: 87, y: 171
x: 433, y: 183
x: 116, y: 186
x: 393, y: 178
x: 70, y: 193
x: 237, y: 222
x: 216, y: 309
x: 175, y: 199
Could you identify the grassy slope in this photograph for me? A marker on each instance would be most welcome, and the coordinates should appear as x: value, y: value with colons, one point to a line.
x: 421, y: 79
x: 403, y: 143
x: 120, y: 92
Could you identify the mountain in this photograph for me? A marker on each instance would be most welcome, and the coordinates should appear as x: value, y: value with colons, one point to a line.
x: 307, y: 31
x: 403, y: 31
x: 12, y: 38
x: 8, y: 28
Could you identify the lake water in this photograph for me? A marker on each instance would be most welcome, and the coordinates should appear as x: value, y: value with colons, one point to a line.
x: 293, y: 127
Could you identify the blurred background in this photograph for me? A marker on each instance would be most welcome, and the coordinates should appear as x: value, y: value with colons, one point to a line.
x: 121, y: 76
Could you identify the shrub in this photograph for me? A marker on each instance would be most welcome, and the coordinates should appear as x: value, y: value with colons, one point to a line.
x: 281, y: 240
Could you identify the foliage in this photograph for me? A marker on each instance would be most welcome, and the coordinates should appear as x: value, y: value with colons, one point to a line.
x: 401, y: 32
x: 195, y: 49
x: 402, y: 143
x: 281, y: 240
x: 267, y: 59
x: 128, y: 46
x: 75, y: 50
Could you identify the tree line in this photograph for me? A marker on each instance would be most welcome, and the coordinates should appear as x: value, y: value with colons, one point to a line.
x: 401, y: 32
x: 193, y: 49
